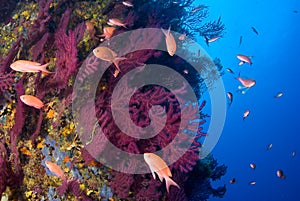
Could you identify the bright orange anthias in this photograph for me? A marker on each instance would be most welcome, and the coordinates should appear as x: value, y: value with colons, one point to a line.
x: 158, y: 166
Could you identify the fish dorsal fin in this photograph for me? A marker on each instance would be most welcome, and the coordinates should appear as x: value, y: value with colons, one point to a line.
x: 166, y: 33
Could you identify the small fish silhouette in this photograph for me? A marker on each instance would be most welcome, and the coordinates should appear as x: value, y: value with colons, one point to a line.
x: 241, y: 40
x: 280, y: 174
x: 254, y: 30
x: 269, y: 146
x: 246, y: 114
x: 230, y: 97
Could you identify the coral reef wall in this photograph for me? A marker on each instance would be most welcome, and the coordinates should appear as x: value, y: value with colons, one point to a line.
x: 63, y: 33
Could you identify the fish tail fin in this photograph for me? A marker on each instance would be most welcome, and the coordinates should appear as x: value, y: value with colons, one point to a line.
x: 169, y: 30
x: 239, y: 75
x: 206, y: 40
x: 250, y: 62
x: 117, y: 60
x: 43, y: 68
x: 164, y: 31
x: 170, y: 182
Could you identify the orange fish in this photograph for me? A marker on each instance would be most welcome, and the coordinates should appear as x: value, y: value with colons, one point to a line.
x: 280, y: 174
x: 246, y: 114
x: 55, y: 169
x: 229, y: 70
x: 244, y: 59
x: 213, y: 39
x: 29, y: 66
x: 210, y: 40
x: 198, y: 9
x: 110, y: 24
x: 170, y: 41
x: 157, y: 165
x: 246, y: 84
x: 108, y: 32
x: 230, y: 97
x: 253, y: 166
x: 117, y: 22
x: 269, y: 146
x: 232, y: 181
x: 90, y: 27
x: 182, y: 37
x: 106, y: 54
x: 127, y: 3
x: 32, y: 101
x: 278, y: 95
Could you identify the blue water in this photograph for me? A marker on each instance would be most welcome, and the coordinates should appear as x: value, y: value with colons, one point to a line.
x: 276, y: 67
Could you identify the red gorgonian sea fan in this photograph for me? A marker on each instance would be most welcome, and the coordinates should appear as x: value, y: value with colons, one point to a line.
x: 6, y: 81
x: 142, y: 104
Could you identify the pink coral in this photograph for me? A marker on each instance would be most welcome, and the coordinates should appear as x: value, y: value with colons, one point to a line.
x: 121, y: 184
x: 38, y: 48
x: 3, y: 168
x: 6, y: 81
x: 66, y: 53
x: 15, y: 133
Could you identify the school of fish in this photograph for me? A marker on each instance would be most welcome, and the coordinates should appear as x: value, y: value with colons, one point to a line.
x: 245, y: 85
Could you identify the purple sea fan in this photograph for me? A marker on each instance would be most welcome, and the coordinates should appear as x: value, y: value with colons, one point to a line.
x: 121, y: 184
x: 73, y: 187
x: 147, y: 190
x: 6, y: 61
x: 38, y: 48
x: 39, y: 27
x: 3, y: 168
x: 14, y: 135
x: 6, y: 80
x: 66, y: 53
